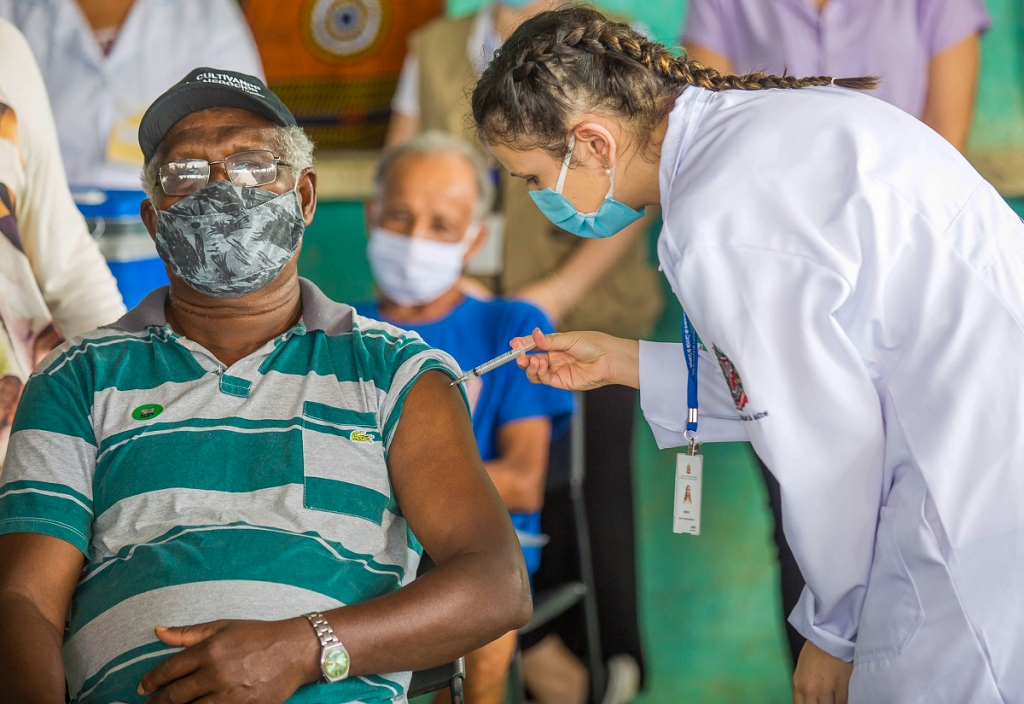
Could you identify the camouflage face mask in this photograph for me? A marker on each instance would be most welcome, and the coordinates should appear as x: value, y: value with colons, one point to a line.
x: 227, y: 240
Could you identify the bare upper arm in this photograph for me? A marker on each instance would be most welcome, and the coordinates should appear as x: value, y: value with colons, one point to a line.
x: 42, y: 569
x: 402, y: 128
x: 439, y: 479
x: 710, y: 58
x: 523, y: 448
x: 952, y: 83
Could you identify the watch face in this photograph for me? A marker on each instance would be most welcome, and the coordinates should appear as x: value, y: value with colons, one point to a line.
x: 335, y: 663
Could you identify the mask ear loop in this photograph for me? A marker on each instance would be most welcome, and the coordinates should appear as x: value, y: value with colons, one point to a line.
x: 471, y: 236
x: 565, y: 164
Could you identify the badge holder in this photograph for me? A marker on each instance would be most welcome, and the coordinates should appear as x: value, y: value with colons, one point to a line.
x: 689, y: 465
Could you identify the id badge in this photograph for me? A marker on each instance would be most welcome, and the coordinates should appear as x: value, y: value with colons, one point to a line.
x: 689, y: 473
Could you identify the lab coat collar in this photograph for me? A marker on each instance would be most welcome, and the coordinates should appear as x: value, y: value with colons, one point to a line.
x: 683, y: 122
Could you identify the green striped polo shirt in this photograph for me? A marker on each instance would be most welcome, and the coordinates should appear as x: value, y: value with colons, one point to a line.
x: 200, y: 492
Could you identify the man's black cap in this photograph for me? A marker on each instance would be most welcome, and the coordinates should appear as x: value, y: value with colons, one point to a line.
x: 206, y: 88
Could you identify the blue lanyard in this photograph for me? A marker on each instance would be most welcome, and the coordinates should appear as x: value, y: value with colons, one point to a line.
x: 690, y: 349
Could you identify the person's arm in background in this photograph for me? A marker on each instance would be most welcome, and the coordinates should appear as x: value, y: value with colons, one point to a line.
x: 952, y: 84
x: 560, y: 291
x: 952, y: 29
x: 405, y: 106
x: 520, y: 469
x: 38, y: 574
x: 71, y: 273
x: 710, y: 58
x: 705, y: 36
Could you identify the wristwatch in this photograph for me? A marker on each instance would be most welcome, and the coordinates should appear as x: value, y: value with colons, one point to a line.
x: 334, y: 660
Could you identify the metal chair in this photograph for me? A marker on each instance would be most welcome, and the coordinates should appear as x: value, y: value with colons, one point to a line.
x: 552, y: 603
x: 449, y: 675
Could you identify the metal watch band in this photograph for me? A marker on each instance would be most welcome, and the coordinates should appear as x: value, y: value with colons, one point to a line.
x: 323, y: 629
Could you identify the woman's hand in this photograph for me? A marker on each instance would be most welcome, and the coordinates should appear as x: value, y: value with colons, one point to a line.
x: 254, y: 662
x: 820, y: 678
x: 580, y: 361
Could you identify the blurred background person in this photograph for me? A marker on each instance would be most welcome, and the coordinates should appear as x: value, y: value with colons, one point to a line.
x: 607, y: 285
x: 104, y: 62
x: 428, y: 217
x: 53, y: 281
x: 925, y: 51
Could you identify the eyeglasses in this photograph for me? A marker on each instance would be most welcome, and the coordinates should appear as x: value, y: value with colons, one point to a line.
x: 253, y: 168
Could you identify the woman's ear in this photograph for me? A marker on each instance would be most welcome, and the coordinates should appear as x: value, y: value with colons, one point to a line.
x: 595, y: 144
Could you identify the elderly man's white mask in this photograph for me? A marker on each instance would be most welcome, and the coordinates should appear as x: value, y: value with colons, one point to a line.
x: 413, y: 271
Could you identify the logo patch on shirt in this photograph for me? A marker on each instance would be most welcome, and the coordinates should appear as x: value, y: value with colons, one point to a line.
x: 147, y: 411
x: 360, y: 436
x: 732, y: 378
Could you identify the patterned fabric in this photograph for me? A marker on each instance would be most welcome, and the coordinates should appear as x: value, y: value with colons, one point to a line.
x: 27, y: 333
x: 178, y: 478
x: 228, y: 240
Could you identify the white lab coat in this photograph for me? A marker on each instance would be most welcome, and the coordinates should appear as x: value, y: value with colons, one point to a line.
x: 98, y: 100
x: 863, y: 288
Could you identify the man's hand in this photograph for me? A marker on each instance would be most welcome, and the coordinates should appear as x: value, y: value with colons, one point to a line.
x: 249, y: 662
x: 820, y: 678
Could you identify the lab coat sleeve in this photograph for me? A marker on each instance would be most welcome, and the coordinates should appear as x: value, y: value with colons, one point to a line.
x: 663, y: 383
x: 813, y: 415
x: 72, y: 274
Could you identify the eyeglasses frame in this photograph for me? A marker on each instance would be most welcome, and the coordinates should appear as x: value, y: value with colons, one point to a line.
x: 277, y: 163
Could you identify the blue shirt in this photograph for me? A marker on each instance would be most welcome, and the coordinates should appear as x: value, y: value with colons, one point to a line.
x: 474, y: 332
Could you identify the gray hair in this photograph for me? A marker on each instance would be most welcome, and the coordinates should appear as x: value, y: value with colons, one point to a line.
x: 292, y: 144
x: 436, y: 143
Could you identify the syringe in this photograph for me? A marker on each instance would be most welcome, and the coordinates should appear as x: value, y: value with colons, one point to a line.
x: 494, y: 363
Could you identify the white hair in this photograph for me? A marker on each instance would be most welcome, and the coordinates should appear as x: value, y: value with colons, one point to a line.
x: 436, y: 143
x: 292, y: 144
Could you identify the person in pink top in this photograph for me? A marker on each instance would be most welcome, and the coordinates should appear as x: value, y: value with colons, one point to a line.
x: 925, y: 51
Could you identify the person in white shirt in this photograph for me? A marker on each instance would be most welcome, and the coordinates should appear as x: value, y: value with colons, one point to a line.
x: 105, y: 61
x: 861, y: 288
x: 53, y: 280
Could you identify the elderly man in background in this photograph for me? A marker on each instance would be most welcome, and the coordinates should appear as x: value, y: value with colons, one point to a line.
x: 224, y: 495
x: 53, y: 280
x: 426, y: 220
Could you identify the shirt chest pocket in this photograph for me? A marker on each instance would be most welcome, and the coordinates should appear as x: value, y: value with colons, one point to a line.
x: 343, y: 465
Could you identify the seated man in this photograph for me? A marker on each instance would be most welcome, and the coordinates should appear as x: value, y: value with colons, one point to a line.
x: 426, y: 221
x: 205, y: 500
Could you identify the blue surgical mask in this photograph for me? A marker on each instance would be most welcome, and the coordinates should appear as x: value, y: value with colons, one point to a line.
x: 608, y: 219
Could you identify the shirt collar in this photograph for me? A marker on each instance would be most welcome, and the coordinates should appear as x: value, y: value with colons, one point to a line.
x: 318, y: 311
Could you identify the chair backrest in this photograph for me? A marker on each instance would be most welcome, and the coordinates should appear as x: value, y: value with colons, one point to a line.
x: 437, y: 678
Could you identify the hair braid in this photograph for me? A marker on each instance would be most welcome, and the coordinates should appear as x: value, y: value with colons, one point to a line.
x: 564, y: 61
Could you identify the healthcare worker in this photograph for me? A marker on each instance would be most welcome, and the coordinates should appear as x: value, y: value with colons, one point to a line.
x: 861, y: 289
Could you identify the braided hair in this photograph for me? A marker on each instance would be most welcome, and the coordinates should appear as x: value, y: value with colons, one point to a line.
x: 572, y: 59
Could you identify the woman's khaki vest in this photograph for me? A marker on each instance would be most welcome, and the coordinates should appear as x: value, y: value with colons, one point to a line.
x: 627, y: 301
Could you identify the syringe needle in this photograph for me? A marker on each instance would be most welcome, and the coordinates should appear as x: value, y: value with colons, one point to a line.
x: 494, y: 363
